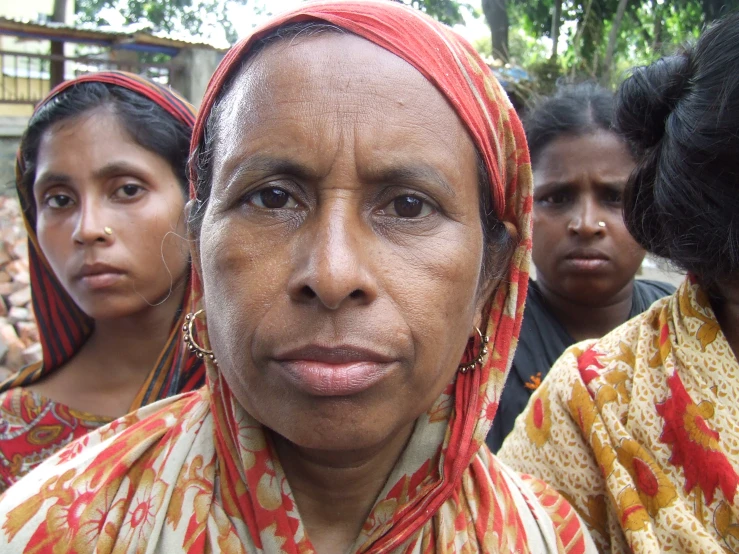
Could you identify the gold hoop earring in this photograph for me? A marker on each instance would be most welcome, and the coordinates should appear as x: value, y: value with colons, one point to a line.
x: 194, y: 347
x: 484, y: 339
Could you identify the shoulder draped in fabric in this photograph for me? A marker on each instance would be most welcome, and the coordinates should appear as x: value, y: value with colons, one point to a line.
x: 638, y: 429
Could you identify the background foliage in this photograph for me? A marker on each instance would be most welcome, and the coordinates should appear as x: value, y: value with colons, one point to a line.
x: 596, y: 39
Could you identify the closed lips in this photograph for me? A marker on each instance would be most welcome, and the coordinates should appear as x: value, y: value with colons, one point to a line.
x: 586, y: 254
x: 337, y: 355
x: 89, y: 270
x: 338, y: 371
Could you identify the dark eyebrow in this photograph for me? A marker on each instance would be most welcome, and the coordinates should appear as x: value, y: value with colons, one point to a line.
x: 420, y: 173
x: 115, y: 169
x: 612, y: 184
x: 266, y: 165
x: 554, y: 186
x: 56, y: 178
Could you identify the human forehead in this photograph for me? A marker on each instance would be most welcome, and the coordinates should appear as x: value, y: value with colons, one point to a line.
x: 333, y: 74
x: 101, y: 124
x: 567, y: 157
x: 94, y: 145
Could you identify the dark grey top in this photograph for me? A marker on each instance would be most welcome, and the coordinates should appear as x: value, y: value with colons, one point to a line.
x: 543, y: 339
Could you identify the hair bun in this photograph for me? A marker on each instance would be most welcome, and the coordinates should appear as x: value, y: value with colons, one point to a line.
x: 647, y: 98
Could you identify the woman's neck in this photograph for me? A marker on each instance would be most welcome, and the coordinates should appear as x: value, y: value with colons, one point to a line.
x: 335, y: 491
x: 106, y: 374
x: 133, y: 344
x: 588, y: 321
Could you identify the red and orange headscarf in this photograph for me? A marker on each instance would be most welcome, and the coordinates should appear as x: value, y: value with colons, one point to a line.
x: 63, y: 327
x: 199, y: 473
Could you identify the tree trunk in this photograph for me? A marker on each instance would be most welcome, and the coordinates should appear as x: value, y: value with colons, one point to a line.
x: 577, y: 39
x: 712, y: 10
x: 556, y: 19
x: 657, y: 30
x: 613, y: 37
x: 496, y: 14
x: 56, y: 67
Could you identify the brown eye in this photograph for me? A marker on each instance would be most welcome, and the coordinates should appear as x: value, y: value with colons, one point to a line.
x: 614, y: 197
x: 557, y: 198
x: 273, y: 198
x: 127, y: 192
x: 409, y: 207
x: 58, y: 201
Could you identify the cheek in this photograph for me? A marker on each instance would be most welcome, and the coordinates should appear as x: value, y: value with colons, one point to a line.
x: 55, y: 242
x: 546, y: 235
x: 435, y: 292
x: 155, y: 239
x: 243, y: 275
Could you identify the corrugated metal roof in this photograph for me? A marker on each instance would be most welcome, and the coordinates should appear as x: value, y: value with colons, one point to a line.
x: 122, y: 38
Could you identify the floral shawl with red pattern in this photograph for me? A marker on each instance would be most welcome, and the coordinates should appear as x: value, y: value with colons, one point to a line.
x: 199, y: 473
x: 639, y: 429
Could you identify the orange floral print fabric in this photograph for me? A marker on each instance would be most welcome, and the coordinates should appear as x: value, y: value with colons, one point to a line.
x: 643, y: 434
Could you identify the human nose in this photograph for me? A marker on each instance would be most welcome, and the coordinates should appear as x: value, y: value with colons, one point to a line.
x: 90, y: 226
x: 587, y: 219
x: 332, y: 266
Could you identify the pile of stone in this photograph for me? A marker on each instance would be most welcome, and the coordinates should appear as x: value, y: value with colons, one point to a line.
x: 19, y: 337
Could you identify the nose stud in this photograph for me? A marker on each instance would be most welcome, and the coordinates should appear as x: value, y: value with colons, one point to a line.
x: 601, y: 224
x: 108, y: 231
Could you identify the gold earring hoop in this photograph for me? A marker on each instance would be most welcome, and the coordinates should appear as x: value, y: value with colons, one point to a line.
x: 194, y: 347
x: 484, y: 339
x: 108, y: 231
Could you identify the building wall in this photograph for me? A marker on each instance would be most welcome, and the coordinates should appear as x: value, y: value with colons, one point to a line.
x: 191, y: 71
x: 11, y: 129
x: 29, y: 10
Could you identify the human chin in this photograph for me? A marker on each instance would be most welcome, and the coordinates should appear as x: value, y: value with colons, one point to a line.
x: 358, y: 407
x: 355, y: 422
x: 587, y: 290
x: 107, y: 306
x: 111, y: 302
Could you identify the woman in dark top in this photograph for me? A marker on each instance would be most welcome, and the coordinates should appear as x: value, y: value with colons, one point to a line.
x: 585, y: 258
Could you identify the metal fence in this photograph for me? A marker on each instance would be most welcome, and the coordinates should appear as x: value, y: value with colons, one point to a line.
x: 25, y: 78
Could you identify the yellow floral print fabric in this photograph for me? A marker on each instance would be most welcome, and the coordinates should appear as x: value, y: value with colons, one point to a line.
x: 640, y: 431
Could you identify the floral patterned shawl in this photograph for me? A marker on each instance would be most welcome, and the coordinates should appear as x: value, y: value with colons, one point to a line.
x: 198, y: 473
x: 639, y: 429
x: 33, y: 427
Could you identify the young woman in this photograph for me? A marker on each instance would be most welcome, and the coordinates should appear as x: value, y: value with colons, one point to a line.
x: 586, y: 260
x: 102, y: 183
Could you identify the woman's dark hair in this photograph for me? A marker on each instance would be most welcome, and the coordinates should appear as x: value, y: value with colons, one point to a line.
x: 148, y: 124
x: 573, y: 110
x: 497, y: 240
x: 681, y: 118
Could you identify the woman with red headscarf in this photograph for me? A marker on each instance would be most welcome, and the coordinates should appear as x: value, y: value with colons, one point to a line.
x: 360, y: 221
x: 101, y: 177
